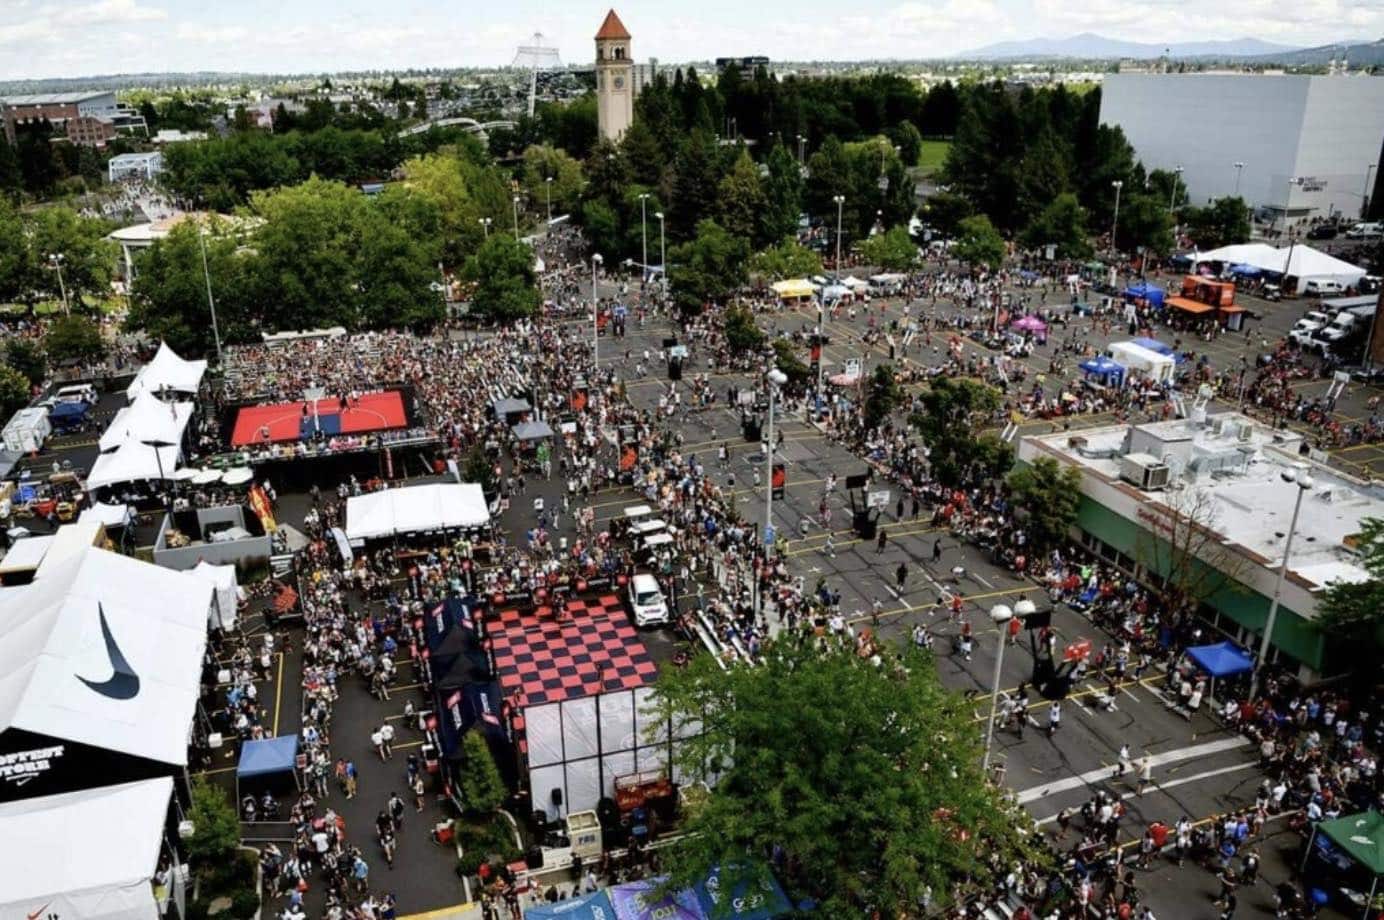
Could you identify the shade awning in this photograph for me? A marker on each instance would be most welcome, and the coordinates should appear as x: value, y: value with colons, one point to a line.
x: 1360, y: 835
x: 503, y: 407
x: 1224, y: 659
x: 533, y: 431
x: 167, y: 372
x: 798, y: 287
x: 416, y: 509
x: 109, y: 515
x: 1187, y: 305
x: 594, y: 906
x: 267, y: 756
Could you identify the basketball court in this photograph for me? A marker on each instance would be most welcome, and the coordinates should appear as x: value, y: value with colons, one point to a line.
x: 289, y: 421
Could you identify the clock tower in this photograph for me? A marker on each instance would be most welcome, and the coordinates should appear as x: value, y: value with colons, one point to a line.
x: 614, y: 78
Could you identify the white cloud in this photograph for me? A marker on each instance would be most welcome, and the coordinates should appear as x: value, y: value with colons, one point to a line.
x: 210, y: 35
x: 108, y: 11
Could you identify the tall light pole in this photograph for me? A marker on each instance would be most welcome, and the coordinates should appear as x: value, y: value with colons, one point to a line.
x: 211, y: 303
x: 1365, y: 192
x: 548, y: 195
x: 776, y: 378
x: 662, y: 251
x: 1172, y: 196
x: 1000, y: 615
x: 56, y: 260
x: 643, y: 239
x: 595, y: 315
x: 1304, y: 482
x: 802, y: 145
x: 840, y: 205
x: 1239, y: 168
x: 485, y: 223
x: 516, y: 216
x: 1115, y: 222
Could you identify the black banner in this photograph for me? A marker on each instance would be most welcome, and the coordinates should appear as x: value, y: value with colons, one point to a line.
x: 34, y: 765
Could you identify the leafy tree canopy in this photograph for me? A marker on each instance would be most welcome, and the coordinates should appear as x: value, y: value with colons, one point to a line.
x: 893, y: 250
x: 506, y: 286
x: 786, y: 259
x: 1048, y: 496
x: 979, y: 243
x: 952, y: 412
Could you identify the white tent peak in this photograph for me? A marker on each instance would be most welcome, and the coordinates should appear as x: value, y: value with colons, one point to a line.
x: 167, y: 372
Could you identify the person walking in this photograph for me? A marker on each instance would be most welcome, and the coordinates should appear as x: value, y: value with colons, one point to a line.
x: 352, y: 778
x: 419, y: 792
x: 936, y: 550
x: 396, y: 810
x: 387, y: 739
x: 1054, y: 717
x: 377, y: 742
x: 881, y: 542
x: 1145, y: 774
x: 901, y: 576
x: 1123, y: 765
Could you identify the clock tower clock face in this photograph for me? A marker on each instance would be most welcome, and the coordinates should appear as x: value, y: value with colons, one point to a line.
x: 619, y: 82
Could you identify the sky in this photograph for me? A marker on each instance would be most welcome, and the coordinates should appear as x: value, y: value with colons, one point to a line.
x: 65, y: 38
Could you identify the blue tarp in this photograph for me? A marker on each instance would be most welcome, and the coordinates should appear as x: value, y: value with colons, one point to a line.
x: 1102, y: 366
x: 1223, y: 659
x: 68, y: 411
x: 1150, y: 292
x: 595, y: 906
x: 1249, y: 271
x: 748, y: 901
x: 271, y: 755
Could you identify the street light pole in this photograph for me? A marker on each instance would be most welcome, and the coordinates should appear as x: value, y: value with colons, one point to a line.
x: 662, y: 252
x: 1304, y: 483
x: 595, y: 315
x: 1172, y: 197
x: 643, y: 240
x: 840, y: 204
x: 1000, y: 615
x: 211, y: 303
x: 548, y: 195
x: 516, y: 216
x: 776, y: 378
x: 1239, y: 168
x: 56, y: 260
x: 1115, y: 222
x: 485, y: 223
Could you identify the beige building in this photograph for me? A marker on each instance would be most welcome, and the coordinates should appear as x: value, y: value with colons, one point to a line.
x: 614, y: 78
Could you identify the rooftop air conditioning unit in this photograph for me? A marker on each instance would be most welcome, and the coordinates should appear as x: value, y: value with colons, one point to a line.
x: 1247, y: 431
x: 1144, y: 471
x: 1218, y: 426
x: 1077, y: 442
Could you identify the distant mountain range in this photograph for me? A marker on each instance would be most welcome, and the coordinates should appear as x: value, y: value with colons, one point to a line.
x: 1356, y: 53
x: 1098, y: 47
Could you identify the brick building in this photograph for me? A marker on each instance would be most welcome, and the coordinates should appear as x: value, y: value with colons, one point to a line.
x: 88, y: 118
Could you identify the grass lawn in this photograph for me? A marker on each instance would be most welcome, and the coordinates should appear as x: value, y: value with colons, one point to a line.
x: 932, y: 156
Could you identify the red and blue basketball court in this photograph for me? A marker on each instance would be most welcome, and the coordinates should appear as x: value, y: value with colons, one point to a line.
x: 289, y: 422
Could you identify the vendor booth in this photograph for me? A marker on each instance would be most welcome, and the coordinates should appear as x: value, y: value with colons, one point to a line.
x: 1346, y: 852
x: 643, y: 900
x: 1137, y: 359
x: 226, y: 600
x: 1222, y: 659
x: 66, y: 416
x: 103, y: 662
x: 1033, y: 326
x: 794, y: 289
x: 268, y: 764
x: 1105, y: 371
x: 416, y: 509
x: 1151, y: 294
x: 1155, y: 345
x: 88, y: 855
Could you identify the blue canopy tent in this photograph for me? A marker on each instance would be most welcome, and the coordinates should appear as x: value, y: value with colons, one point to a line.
x: 594, y: 906
x: 439, y: 619
x: 1247, y: 271
x: 266, y: 759
x: 1143, y: 290
x: 1109, y: 372
x: 748, y: 900
x: 66, y: 415
x: 1223, y: 659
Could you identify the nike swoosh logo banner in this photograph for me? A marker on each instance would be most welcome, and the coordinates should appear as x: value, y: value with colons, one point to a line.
x: 124, y: 683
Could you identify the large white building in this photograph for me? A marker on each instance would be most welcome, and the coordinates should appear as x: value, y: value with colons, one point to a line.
x: 1307, y: 143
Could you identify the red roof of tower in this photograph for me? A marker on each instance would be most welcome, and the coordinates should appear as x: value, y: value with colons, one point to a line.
x: 612, y: 28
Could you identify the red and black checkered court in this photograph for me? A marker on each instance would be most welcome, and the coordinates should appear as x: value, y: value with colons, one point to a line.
x: 286, y: 421
x: 541, y: 660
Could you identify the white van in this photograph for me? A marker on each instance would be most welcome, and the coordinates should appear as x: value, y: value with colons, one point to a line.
x: 1323, y: 287
x: 647, y: 528
x: 647, y: 602
x: 76, y: 393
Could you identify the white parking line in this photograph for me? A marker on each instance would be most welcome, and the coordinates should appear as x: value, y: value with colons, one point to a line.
x: 1157, y: 760
x: 1234, y: 768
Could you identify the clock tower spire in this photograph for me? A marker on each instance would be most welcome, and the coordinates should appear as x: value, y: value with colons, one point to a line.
x: 614, y: 78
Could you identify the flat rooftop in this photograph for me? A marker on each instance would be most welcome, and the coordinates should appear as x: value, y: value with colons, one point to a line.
x: 1238, y: 472
x: 54, y: 98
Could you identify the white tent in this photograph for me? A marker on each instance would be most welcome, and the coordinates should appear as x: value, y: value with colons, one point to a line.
x: 416, y: 509
x: 109, y: 515
x: 227, y: 598
x: 88, y: 855
x: 1299, y: 261
x: 27, y: 430
x: 167, y: 372
x: 1132, y: 357
x: 148, y: 418
x: 854, y: 283
x: 132, y: 461
x: 104, y: 651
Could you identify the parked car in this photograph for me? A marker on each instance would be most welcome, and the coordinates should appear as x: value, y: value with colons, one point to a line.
x: 1323, y: 288
x: 1322, y: 232
x: 1366, y: 231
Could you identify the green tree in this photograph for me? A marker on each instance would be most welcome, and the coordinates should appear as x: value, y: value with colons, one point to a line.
x: 740, y: 200
x: 17, y: 269
x: 11, y: 176
x: 893, y: 250
x: 602, y: 227
x: 1350, y: 608
x: 907, y: 138
x: 543, y: 163
x: 866, y: 776
x: 477, y: 468
x: 482, y: 789
x: 979, y: 243
x: 794, y: 368
x: 1047, y: 495
x: 1144, y: 221
x: 1223, y: 222
x: 785, y: 260
x: 87, y: 256
x: 503, y: 270
x: 75, y: 339
x: 707, y: 268
x: 945, y: 211
x: 783, y: 195
x: 215, y: 826
x: 14, y: 391
x: 742, y: 332
x: 27, y: 357
x: 882, y: 396
x: 1061, y: 224
x: 696, y: 182
x: 953, y: 410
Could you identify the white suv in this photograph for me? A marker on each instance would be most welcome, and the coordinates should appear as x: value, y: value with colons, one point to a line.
x: 647, y: 602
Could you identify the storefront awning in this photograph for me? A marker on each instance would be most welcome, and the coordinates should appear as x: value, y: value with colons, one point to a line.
x: 1188, y: 305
